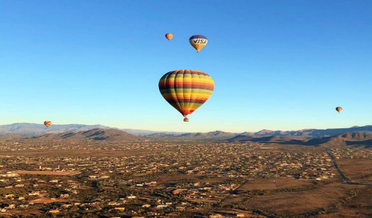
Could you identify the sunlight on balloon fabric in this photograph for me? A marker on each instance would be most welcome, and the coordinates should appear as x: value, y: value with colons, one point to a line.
x: 186, y: 90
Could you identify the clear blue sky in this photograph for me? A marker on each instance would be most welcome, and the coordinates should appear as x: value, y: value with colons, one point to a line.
x: 276, y: 64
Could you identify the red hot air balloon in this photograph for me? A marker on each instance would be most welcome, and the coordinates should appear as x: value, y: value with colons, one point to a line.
x: 169, y: 36
x: 339, y: 109
x: 47, y: 123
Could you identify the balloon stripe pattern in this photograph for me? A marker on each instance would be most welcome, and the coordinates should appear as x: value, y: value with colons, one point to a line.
x: 186, y: 90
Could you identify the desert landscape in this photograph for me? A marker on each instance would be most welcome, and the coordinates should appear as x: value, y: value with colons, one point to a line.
x: 185, y: 109
x: 111, y: 173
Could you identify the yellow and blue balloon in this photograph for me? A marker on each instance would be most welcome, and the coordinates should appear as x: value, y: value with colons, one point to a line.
x: 198, y: 42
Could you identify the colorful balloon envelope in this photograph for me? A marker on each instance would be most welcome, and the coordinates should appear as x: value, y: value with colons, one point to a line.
x: 339, y: 109
x: 186, y: 90
x: 47, y: 123
x: 169, y: 36
x: 198, y: 42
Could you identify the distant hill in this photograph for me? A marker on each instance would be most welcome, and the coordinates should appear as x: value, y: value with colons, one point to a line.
x: 350, y: 138
x: 115, y: 135
x: 306, y: 133
x: 40, y: 129
x: 310, y: 137
x: 11, y: 136
x: 344, y: 139
x: 314, y: 133
x: 216, y: 135
x: 93, y: 134
x: 35, y: 129
x: 141, y: 132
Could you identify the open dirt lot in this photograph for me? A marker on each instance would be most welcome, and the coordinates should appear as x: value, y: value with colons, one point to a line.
x: 48, y: 173
x: 302, y: 202
x: 46, y: 201
x: 76, y: 153
x: 359, y: 207
x: 356, y: 169
x: 272, y: 184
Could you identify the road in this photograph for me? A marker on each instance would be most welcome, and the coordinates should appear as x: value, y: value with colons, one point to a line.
x: 231, y: 192
x: 342, y: 175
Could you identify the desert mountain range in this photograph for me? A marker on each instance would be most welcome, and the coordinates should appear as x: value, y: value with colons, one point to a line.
x: 309, y: 137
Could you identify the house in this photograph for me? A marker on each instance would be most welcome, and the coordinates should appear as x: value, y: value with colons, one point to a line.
x: 11, y: 174
x: 9, y: 196
x: 113, y: 203
x: 54, y: 211
x: 34, y: 193
x: 178, y: 191
x: 216, y: 216
x: 161, y: 206
x: 131, y: 197
x: 64, y: 196
x: 11, y: 206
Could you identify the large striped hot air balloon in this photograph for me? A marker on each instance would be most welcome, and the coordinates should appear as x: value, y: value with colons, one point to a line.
x: 198, y: 42
x: 186, y: 90
x: 47, y: 123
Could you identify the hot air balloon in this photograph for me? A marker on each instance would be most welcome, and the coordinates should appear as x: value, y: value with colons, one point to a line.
x: 169, y: 36
x: 47, y: 123
x: 198, y: 42
x: 186, y: 90
x: 339, y: 109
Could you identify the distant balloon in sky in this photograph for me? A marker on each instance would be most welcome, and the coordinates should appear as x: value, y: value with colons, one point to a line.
x: 47, y: 123
x: 198, y: 42
x: 186, y: 90
x: 339, y: 109
x: 169, y: 36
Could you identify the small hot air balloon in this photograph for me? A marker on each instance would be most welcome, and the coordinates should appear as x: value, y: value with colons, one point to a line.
x: 198, y: 42
x: 339, y: 109
x: 169, y: 36
x: 47, y: 123
x: 186, y: 90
